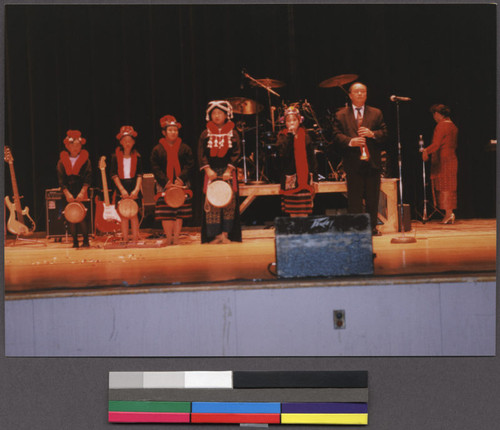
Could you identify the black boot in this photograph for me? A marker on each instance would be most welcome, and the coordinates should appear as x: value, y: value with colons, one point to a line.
x: 85, y: 243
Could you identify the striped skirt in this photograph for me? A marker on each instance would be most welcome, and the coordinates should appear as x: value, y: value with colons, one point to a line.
x: 163, y: 212
x: 300, y: 203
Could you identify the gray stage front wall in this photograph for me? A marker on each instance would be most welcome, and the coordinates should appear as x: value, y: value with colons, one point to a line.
x: 399, y: 319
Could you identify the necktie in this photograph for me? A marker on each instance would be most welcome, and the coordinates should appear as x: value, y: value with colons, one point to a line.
x: 359, y: 117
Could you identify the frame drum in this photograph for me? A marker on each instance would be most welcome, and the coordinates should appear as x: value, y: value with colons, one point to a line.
x: 128, y: 208
x: 219, y: 193
x: 74, y: 212
x: 175, y: 197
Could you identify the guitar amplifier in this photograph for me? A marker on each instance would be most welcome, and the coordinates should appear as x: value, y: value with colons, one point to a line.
x: 55, y: 204
x: 148, y: 192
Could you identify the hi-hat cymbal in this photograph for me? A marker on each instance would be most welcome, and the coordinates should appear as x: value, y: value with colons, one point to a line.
x: 269, y: 83
x: 244, y: 106
x: 338, y: 81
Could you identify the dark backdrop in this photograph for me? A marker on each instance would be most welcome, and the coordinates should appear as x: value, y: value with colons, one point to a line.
x: 95, y: 68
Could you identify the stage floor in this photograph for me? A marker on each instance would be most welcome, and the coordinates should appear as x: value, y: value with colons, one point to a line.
x: 46, y: 268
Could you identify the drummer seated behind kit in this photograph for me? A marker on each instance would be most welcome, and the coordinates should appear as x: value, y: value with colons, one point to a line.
x: 218, y: 155
x: 74, y: 173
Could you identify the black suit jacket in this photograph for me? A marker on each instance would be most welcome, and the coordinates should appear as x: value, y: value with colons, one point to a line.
x: 345, y: 128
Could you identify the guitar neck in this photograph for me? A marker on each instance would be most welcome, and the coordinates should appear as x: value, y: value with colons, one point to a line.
x: 15, y: 191
x: 105, y: 187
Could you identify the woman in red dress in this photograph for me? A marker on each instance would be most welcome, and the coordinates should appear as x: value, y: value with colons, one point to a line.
x: 444, y: 162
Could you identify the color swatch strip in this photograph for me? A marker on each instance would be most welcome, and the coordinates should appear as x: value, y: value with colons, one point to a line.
x: 244, y: 397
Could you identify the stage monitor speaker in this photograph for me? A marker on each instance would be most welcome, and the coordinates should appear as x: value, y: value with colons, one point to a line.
x: 339, y: 245
x: 148, y: 190
x: 55, y: 204
x: 406, y: 217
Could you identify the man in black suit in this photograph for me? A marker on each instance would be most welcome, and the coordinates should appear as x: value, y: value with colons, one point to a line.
x: 359, y: 131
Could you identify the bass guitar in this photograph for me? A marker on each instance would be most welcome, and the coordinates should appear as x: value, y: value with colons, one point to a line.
x: 107, y: 219
x: 19, y: 223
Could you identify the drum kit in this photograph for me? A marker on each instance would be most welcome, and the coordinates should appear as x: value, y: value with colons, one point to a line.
x: 263, y: 166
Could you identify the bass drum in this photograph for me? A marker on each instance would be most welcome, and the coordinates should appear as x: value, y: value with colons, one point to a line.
x: 74, y: 212
x: 219, y: 193
x: 128, y: 208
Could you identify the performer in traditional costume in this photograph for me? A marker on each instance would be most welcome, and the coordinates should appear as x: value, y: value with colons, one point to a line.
x: 172, y: 163
x: 444, y: 163
x: 126, y: 172
x: 74, y: 173
x: 298, y: 166
x: 218, y: 155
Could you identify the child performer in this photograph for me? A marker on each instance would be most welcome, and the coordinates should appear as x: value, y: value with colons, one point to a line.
x: 172, y: 162
x: 298, y: 166
x: 126, y: 172
x: 74, y: 173
x: 218, y: 155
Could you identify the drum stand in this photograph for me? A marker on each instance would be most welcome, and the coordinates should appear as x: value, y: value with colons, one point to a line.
x: 402, y: 238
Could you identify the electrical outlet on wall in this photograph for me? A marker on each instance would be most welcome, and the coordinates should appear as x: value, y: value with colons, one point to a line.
x: 339, y: 319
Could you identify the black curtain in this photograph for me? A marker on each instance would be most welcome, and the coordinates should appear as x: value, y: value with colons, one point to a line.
x: 96, y: 68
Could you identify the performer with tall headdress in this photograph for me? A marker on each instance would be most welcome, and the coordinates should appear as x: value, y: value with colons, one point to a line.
x: 218, y: 155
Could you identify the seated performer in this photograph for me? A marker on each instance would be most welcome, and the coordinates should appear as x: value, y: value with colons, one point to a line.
x: 126, y: 172
x: 74, y: 173
x: 218, y: 155
x: 298, y: 166
x: 172, y: 162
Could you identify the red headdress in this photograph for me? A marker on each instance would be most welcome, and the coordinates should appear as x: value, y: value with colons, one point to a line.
x: 126, y: 130
x: 72, y: 135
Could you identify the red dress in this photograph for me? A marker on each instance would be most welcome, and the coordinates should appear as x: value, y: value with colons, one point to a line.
x: 444, y: 163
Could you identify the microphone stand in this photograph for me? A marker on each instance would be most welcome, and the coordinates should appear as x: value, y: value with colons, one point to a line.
x: 402, y: 238
x: 424, y: 215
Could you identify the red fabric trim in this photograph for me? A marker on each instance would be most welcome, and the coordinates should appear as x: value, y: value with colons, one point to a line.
x: 73, y: 170
x: 219, y: 148
x: 119, y: 158
x: 301, y: 165
x: 173, y: 164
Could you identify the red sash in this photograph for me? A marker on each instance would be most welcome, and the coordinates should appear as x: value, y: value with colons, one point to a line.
x: 83, y: 156
x: 133, y: 165
x: 173, y: 165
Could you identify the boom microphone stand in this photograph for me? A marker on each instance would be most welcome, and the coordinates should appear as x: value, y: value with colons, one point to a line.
x: 402, y: 238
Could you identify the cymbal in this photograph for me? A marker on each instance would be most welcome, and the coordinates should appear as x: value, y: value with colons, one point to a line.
x: 338, y: 81
x: 245, y: 106
x: 270, y: 83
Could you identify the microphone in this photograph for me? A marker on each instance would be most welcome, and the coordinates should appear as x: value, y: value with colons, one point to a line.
x: 399, y: 99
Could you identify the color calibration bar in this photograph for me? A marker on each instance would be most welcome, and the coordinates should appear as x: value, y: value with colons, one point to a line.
x: 253, y: 397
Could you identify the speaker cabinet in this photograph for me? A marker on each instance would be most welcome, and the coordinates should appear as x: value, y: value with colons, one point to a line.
x: 338, y: 245
x: 55, y: 204
x: 148, y: 192
x: 406, y: 217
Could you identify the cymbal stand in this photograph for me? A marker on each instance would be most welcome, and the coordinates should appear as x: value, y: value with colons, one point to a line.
x: 269, y: 90
x: 245, y: 177
x: 402, y: 238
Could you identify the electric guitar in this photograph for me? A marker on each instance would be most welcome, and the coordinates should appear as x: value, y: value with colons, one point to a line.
x: 19, y: 222
x: 107, y: 218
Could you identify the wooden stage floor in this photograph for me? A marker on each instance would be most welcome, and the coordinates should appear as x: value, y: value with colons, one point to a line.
x: 47, y: 268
